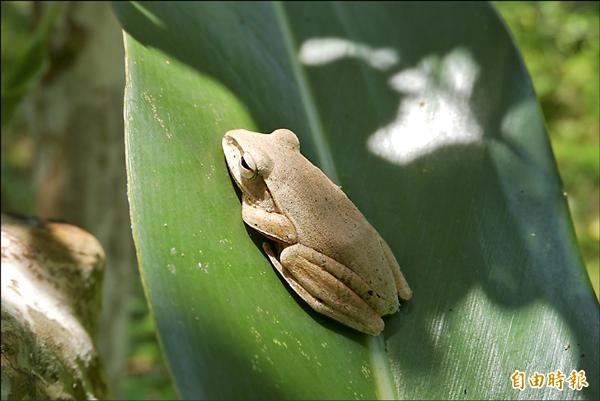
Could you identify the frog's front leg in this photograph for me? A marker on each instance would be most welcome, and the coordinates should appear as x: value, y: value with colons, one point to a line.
x: 273, y: 225
x: 306, y: 270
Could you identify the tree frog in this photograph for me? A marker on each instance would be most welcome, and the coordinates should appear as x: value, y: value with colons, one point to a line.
x: 318, y: 241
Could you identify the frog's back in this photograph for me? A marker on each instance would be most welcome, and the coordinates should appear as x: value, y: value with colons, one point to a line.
x: 326, y: 220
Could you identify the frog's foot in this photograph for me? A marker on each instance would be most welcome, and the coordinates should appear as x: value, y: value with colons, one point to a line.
x: 324, y: 292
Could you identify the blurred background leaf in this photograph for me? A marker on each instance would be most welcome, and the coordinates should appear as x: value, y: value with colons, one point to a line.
x: 26, y: 58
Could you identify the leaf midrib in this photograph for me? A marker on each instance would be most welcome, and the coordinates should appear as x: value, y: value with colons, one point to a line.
x: 384, y: 388
x: 314, y: 120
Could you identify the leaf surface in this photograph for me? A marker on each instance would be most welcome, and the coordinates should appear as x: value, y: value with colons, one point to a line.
x: 426, y: 116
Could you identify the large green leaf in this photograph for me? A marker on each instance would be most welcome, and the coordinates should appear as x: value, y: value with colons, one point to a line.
x: 424, y: 113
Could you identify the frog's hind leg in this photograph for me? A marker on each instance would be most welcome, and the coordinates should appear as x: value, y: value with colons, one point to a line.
x: 323, y: 291
x: 404, y: 290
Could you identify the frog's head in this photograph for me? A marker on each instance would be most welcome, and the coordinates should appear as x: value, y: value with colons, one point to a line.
x: 250, y: 155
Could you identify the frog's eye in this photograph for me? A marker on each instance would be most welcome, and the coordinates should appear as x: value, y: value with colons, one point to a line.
x: 248, y: 168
